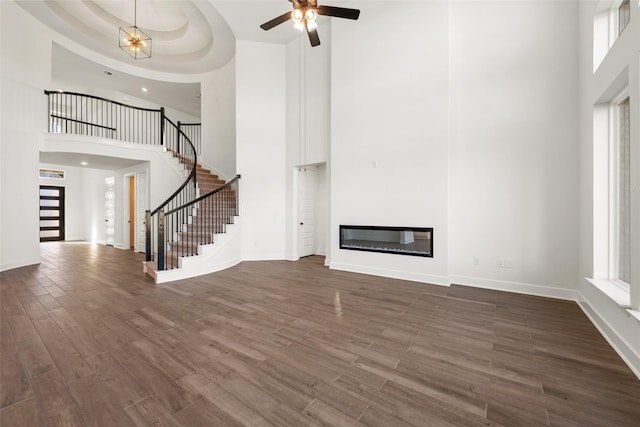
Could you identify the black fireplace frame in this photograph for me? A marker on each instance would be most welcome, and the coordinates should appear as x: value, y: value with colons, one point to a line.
x: 427, y: 254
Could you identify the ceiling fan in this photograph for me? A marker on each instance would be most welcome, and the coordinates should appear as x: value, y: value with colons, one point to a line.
x: 304, y: 16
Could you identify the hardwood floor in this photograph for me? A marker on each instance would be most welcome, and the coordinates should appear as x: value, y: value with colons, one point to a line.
x: 87, y: 339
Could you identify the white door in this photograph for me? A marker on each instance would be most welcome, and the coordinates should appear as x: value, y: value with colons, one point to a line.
x: 306, y: 212
x: 109, y: 211
x: 142, y: 204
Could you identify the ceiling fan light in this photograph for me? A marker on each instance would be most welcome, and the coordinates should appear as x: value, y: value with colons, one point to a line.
x: 311, y: 25
x: 297, y: 15
x: 298, y: 26
x: 310, y: 15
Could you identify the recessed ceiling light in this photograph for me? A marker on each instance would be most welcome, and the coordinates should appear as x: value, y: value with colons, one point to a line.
x: 144, y: 89
x: 84, y: 163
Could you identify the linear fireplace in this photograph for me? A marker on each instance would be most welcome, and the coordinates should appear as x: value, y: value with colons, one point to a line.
x: 415, y: 241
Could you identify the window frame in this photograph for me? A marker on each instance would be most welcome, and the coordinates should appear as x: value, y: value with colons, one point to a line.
x: 620, y: 30
x: 614, y: 190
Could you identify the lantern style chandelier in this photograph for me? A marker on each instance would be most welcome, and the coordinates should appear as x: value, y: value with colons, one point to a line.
x: 133, y: 40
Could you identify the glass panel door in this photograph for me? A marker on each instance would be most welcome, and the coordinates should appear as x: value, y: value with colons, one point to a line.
x: 51, y: 213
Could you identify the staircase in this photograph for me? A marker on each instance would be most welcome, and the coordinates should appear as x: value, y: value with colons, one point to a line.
x: 195, y: 226
x: 195, y: 232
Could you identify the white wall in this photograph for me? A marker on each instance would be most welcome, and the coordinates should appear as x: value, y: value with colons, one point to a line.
x: 24, y: 75
x: 218, y: 106
x: 260, y: 147
x: 389, y: 132
x: 514, y: 144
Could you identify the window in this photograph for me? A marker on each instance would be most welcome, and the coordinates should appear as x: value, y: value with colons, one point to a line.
x: 613, y: 237
x: 624, y: 15
x: 621, y: 196
x: 51, y: 173
x: 610, y: 19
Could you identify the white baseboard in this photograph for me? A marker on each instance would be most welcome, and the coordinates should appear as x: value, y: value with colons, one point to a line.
x: 393, y: 274
x: 617, y: 342
x: 20, y: 263
x: 516, y: 287
x: 179, y: 273
x: 264, y: 257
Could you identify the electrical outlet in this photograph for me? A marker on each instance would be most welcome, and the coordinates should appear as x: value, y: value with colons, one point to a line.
x: 476, y: 260
x: 500, y: 263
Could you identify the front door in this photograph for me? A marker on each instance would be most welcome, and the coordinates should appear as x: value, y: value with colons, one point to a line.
x: 51, y: 213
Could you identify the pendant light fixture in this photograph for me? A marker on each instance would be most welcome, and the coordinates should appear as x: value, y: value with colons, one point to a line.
x: 133, y: 40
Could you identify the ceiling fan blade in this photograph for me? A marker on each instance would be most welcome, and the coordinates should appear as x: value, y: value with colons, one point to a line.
x: 313, y: 37
x: 338, y: 12
x: 276, y: 21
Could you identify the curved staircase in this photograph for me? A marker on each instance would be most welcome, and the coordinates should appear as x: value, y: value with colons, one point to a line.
x: 193, y: 227
x: 196, y: 232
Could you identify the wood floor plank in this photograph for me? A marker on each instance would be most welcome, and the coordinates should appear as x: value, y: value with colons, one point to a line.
x: 15, y: 382
x: 389, y: 407
x: 433, y: 391
x: 21, y: 414
x: 118, y: 379
x: 158, y: 384
x: 204, y: 413
x: 99, y: 403
x: 327, y: 415
x: 87, y: 339
x: 262, y: 377
x: 226, y: 402
x: 7, y: 343
x: 162, y: 359
x: 55, y: 402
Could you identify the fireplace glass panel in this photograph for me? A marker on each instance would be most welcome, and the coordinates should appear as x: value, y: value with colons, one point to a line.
x: 397, y: 240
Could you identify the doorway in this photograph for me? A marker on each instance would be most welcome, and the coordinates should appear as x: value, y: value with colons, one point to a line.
x: 51, y: 213
x: 141, y: 205
x: 109, y: 211
x: 306, y: 211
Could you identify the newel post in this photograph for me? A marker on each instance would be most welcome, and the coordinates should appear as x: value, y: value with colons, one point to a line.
x: 161, y: 245
x: 178, y: 135
x: 161, y: 125
x: 147, y: 235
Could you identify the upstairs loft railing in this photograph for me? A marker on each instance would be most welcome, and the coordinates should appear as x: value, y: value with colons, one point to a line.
x: 79, y: 114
